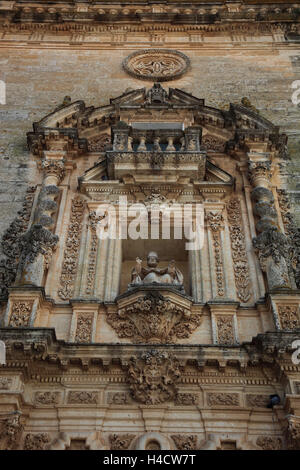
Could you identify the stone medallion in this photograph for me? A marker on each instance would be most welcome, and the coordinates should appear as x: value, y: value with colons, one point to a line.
x: 156, y: 64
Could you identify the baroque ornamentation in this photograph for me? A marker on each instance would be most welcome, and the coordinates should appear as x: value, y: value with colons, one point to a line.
x: 10, y: 432
x: 20, y: 314
x: 46, y: 398
x: 257, y: 401
x: 36, y: 441
x: 291, y: 230
x: 273, y: 249
x: 84, y: 328
x: 153, y: 275
x: 118, y: 398
x: 100, y: 144
x: 93, y: 220
x: 238, y: 250
x: 153, y: 318
x: 153, y: 376
x: 120, y: 441
x: 5, y: 383
x: 289, y: 316
x: 53, y: 167
x: 10, y: 244
x: 269, y: 443
x: 259, y: 170
x: 156, y: 64
x: 84, y: 398
x: 38, y: 240
x: 185, y: 442
x: 210, y: 142
x: 293, y: 433
x: 186, y: 399
x: 71, y: 253
x: 227, y: 399
x: 215, y: 222
x: 225, y: 329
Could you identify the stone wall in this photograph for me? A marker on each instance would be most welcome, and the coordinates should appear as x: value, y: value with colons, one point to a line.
x: 37, y: 79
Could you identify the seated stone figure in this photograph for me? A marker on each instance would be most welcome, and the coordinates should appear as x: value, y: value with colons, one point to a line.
x: 153, y: 275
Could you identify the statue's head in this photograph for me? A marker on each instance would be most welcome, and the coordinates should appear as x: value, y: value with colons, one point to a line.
x: 152, y: 259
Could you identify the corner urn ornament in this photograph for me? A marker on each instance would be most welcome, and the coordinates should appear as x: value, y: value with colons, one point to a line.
x: 156, y: 64
x: 152, y: 377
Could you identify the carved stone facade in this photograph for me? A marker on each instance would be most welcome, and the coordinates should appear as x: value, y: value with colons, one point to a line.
x: 153, y: 377
x: 181, y: 353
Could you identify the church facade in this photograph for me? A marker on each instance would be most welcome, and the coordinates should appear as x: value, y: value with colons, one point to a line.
x: 150, y: 268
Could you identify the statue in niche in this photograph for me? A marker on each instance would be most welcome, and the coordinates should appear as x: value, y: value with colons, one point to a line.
x: 154, y: 275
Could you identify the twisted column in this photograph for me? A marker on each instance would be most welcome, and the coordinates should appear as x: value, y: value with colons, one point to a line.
x: 271, y: 245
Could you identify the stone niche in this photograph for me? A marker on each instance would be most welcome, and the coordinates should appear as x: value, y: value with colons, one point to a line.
x: 167, y: 250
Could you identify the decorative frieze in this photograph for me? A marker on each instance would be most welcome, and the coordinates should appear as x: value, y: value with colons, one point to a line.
x: 118, y: 398
x: 269, y: 443
x: 238, y: 250
x: 153, y: 376
x: 289, y: 316
x: 71, y: 253
x: 257, y: 401
x: 215, y: 223
x: 84, y: 328
x: 36, y: 441
x: 46, y: 398
x: 223, y: 399
x: 225, y: 329
x: 185, y: 442
x: 20, y: 314
x: 186, y: 399
x: 153, y: 318
x: 82, y: 398
x: 120, y: 441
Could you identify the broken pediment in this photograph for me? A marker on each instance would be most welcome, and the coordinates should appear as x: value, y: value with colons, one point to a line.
x: 153, y: 113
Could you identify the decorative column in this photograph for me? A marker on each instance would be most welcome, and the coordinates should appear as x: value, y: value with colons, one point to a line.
x: 271, y: 245
x: 39, y: 241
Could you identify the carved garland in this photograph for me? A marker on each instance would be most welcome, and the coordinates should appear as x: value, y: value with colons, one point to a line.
x: 71, y: 253
x: 93, y: 220
x: 227, y: 399
x: 20, y: 314
x: 215, y: 222
x: 225, y: 328
x: 84, y: 328
x: 239, y: 256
